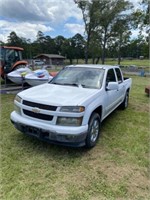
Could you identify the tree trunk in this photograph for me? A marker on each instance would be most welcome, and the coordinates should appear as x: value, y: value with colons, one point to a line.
x: 97, y: 60
x: 119, y: 56
x: 119, y: 49
x: 70, y: 61
x: 87, y: 51
x: 104, y: 48
x: 93, y: 60
x: 103, y: 54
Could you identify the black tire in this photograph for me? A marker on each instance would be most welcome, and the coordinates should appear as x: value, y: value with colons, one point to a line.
x: 124, y: 104
x: 93, y: 130
x: 19, y: 66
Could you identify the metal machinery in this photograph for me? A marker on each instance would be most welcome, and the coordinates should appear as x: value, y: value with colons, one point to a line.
x: 10, y: 59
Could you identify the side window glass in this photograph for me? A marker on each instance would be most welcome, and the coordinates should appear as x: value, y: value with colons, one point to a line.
x: 110, y: 76
x: 16, y: 58
x: 119, y: 76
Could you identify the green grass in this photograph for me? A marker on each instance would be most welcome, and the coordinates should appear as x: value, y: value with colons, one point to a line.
x: 139, y: 63
x: 117, y: 168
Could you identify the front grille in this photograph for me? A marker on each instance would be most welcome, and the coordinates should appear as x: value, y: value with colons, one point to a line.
x: 37, y: 115
x: 38, y: 105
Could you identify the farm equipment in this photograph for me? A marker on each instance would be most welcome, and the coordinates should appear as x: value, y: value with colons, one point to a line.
x: 10, y: 59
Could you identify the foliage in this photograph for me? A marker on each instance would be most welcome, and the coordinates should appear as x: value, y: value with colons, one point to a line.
x: 89, y: 12
x: 108, y: 27
x: 102, y: 29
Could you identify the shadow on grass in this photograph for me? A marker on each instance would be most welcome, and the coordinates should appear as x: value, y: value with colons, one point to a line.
x: 58, y: 152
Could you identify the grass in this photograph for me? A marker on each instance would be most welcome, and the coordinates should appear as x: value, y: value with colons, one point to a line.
x: 116, y: 169
x: 139, y: 63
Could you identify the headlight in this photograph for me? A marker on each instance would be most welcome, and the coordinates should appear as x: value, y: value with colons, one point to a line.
x: 72, y: 109
x: 18, y: 99
x: 17, y: 109
x: 69, y: 121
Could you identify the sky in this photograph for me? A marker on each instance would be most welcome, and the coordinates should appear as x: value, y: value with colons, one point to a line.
x: 52, y: 17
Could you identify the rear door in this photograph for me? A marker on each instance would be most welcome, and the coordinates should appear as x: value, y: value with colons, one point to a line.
x: 121, y: 90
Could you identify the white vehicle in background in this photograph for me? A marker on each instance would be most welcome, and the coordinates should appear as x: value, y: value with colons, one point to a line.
x: 70, y: 108
x: 38, y: 62
x: 37, y: 77
x: 17, y: 76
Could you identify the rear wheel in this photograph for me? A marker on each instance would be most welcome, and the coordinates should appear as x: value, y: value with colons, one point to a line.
x: 93, y: 130
x: 124, y: 104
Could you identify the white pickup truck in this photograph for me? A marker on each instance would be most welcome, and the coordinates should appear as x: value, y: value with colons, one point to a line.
x: 70, y: 108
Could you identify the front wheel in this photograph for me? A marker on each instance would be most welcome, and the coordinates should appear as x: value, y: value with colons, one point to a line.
x: 93, y: 130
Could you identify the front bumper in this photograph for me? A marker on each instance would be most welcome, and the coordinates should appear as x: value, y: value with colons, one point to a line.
x: 68, y: 136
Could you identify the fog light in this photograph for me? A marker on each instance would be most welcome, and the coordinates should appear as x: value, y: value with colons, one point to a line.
x: 69, y: 121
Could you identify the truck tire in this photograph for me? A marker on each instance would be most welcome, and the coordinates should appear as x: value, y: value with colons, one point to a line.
x: 93, y: 130
x: 124, y: 104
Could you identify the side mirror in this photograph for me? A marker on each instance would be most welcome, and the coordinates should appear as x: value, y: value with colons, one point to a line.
x: 112, y: 86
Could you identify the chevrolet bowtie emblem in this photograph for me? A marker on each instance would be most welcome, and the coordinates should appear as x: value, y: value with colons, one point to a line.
x: 36, y: 110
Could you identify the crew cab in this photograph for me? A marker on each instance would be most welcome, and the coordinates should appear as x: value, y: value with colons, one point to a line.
x: 70, y: 108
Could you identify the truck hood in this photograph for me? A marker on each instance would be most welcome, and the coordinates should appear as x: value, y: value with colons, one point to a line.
x: 57, y: 94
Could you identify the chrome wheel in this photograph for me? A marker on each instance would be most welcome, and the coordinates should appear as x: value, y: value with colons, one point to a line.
x: 126, y: 100
x: 93, y: 130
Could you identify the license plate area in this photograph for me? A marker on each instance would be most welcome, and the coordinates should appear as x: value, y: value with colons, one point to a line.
x: 31, y: 130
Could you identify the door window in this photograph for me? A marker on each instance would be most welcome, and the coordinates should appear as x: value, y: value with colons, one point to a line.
x: 119, y: 75
x: 110, y: 76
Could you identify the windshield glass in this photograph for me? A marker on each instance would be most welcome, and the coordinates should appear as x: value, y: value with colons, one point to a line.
x: 80, y: 76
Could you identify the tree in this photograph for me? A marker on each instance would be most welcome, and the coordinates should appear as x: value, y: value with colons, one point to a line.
x: 40, y: 42
x: 88, y: 9
x: 108, y: 15
x: 122, y: 33
x: 78, y: 43
x: 14, y: 40
x: 94, y: 48
x: 59, y: 41
x: 68, y: 49
x: 100, y: 17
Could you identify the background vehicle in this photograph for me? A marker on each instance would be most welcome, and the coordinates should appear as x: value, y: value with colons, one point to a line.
x: 38, y: 62
x: 70, y: 108
x: 10, y: 59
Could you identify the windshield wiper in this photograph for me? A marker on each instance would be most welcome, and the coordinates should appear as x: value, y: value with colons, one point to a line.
x: 56, y: 83
x: 71, y: 84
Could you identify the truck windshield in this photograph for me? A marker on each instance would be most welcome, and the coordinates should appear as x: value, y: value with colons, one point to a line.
x: 80, y: 77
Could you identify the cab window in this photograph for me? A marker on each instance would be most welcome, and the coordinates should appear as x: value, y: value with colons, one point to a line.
x: 110, y: 76
x: 119, y: 76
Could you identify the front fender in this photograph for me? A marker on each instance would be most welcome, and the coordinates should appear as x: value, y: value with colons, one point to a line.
x: 97, y: 103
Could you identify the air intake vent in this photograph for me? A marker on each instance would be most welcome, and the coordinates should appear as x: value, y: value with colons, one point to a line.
x: 38, y: 105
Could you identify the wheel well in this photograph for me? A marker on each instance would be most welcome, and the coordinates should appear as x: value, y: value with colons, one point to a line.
x: 128, y: 89
x: 98, y: 110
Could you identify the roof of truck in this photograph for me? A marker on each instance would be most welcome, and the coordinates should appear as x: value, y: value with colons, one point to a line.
x: 95, y: 66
